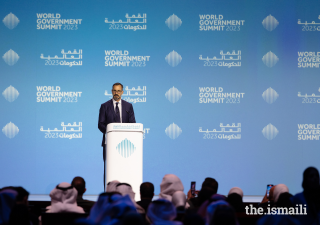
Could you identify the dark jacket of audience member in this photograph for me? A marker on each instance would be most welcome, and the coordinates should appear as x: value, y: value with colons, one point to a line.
x: 309, y: 197
x: 7, y: 202
x: 146, y: 195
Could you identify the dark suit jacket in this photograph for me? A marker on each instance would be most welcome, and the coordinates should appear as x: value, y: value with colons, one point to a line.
x: 107, y: 115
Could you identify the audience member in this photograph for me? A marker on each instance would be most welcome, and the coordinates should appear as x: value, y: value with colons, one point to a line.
x: 80, y: 185
x: 284, y: 200
x: 211, y: 183
x: 179, y: 199
x: 20, y: 212
x: 209, y: 187
x: 112, y: 186
x: 279, y: 189
x: 278, y: 220
x: 110, y: 208
x: 169, y: 185
x: 64, y: 199
x: 162, y: 212
x: 309, y: 197
x: 7, y: 202
x: 133, y: 218
x: 224, y: 215
x: 193, y: 219
x: 146, y: 195
x: 126, y: 189
x: 211, y: 209
x: 234, y: 198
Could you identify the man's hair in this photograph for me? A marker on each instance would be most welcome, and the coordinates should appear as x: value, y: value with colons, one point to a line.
x: 211, y: 183
x: 146, y: 190
x: 117, y: 84
x: 79, y: 184
x: 22, y: 193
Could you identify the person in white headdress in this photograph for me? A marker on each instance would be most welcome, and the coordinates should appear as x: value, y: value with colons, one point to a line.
x: 64, y: 199
x: 179, y: 199
x: 235, y: 199
x: 126, y: 189
x: 279, y: 189
x: 112, y: 186
x: 169, y: 185
x: 162, y: 212
x: 236, y: 190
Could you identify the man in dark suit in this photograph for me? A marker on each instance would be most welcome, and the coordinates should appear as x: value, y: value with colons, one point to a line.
x: 115, y: 110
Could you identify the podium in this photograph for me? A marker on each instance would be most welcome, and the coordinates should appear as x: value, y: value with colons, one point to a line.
x: 125, y: 154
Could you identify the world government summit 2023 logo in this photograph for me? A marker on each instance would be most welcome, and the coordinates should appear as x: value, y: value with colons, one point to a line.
x: 10, y: 130
x: 11, y: 21
x: 125, y: 148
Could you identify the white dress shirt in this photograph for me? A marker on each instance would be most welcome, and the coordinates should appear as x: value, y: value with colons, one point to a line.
x: 119, y: 106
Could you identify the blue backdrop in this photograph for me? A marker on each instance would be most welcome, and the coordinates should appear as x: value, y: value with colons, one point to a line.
x: 225, y: 89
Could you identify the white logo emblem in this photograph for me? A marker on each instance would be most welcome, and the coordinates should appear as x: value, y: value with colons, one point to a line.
x: 10, y: 57
x: 173, y: 58
x: 270, y: 131
x: 10, y: 130
x: 173, y: 22
x: 173, y: 131
x: 10, y: 94
x: 270, y: 23
x: 270, y: 59
x: 270, y: 95
x: 173, y: 95
x: 11, y: 21
x: 126, y: 148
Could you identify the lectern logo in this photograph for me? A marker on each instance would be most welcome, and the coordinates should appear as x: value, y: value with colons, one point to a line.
x: 10, y: 130
x: 173, y: 131
x: 270, y: 59
x: 173, y: 95
x: 11, y: 21
x: 270, y: 95
x: 270, y: 23
x: 10, y: 94
x: 270, y: 131
x: 125, y: 148
x: 173, y: 22
x: 173, y: 58
x: 10, y: 57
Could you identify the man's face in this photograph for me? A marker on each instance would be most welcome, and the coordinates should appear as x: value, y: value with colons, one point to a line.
x: 117, y: 92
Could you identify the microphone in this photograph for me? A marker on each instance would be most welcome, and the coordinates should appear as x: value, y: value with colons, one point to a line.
x: 127, y: 111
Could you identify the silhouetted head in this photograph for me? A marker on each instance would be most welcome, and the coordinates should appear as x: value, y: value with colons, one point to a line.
x: 310, y: 179
x: 147, y: 190
x: 79, y: 184
x: 211, y: 183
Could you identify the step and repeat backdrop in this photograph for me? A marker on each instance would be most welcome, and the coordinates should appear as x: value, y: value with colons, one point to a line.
x: 225, y: 89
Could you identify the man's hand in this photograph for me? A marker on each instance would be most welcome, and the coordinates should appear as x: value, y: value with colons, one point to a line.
x: 190, y: 195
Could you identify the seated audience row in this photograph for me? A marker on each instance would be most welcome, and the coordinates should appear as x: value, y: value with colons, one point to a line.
x: 117, y: 204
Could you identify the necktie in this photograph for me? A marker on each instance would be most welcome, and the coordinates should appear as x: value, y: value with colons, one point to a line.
x: 117, y: 113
